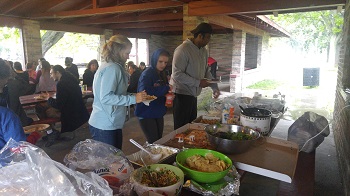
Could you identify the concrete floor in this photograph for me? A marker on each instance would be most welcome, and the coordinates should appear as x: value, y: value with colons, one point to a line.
x: 327, y: 180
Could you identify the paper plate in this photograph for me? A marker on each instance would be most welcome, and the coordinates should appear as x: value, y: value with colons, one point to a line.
x: 151, y: 98
x: 39, y: 127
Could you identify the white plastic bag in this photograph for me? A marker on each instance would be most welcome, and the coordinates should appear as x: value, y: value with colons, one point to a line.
x: 27, y: 170
x: 105, y: 160
x: 308, y: 131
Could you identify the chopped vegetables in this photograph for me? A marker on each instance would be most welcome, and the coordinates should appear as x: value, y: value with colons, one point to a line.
x: 159, y: 177
x: 233, y: 136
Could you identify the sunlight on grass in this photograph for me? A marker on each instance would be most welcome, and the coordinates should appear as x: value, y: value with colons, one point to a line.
x: 265, y: 85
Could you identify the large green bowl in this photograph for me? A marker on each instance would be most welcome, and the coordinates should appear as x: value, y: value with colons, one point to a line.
x: 203, y: 177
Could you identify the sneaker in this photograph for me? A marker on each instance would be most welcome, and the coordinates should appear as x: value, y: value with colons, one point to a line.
x: 52, y: 137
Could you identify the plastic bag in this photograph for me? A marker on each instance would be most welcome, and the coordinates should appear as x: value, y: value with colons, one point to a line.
x: 27, y: 170
x: 105, y: 160
x: 309, y: 125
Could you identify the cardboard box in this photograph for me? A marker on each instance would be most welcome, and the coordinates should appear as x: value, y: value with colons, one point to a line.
x: 270, y: 157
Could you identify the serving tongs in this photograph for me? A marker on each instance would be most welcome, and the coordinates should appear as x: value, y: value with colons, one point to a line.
x: 243, y: 111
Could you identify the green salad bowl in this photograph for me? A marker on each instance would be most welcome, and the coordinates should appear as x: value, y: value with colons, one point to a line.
x: 198, y: 176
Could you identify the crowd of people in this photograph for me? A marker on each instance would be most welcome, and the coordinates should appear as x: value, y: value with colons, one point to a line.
x: 68, y: 105
x: 115, y: 84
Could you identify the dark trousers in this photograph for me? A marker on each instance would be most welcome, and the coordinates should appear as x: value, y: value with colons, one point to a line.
x: 213, y: 68
x: 111, y: 137
x: 152, y: 128
x: 184, y: 109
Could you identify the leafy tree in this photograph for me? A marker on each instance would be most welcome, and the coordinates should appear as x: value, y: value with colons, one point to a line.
x: 318, y: 29
x: 10, y: 45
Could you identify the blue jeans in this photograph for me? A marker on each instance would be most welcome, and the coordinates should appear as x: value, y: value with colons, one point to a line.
x: 111, y: 137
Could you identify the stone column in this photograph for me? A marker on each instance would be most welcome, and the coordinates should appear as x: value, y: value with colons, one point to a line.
x: 238, y: 60
x: 31, y: 39
x: 190, y: 22
x: 103, y: 39
x: 263, y: 48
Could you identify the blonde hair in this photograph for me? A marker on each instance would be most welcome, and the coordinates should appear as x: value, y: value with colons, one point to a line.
x: 112, y: 49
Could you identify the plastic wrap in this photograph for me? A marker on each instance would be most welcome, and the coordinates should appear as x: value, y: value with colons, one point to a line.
x: 229, y: 185
x: 103, y: 159
x: 308, y: 131
x: 27, y: 170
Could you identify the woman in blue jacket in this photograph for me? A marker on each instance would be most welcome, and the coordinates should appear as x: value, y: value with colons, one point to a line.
x: 110, y: 96
x: 154, y: 81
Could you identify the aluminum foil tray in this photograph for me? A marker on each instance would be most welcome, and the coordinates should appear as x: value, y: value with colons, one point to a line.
x: 166, y: 151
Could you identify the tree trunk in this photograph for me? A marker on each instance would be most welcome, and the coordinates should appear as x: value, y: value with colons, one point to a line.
x: 49, y: 39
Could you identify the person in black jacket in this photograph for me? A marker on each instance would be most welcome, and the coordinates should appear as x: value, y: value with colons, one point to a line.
x: 70, y: 67
x: 89, y: 73
x: 11, y: 88
x: 135, y: 74
x: 17, y: 66
x: 68, y: 100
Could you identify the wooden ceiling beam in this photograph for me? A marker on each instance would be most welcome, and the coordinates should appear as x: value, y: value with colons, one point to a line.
x: 133, y: 34
x: 95, y: 4
x: 6, y: 21
x: 124, y: 19
x: 109, y: 10
x: 74, y: 28
x: 52, y: 4
x: 273, y: 24
x: 232, y: 23
x: 147, y: 25
x: 224, y: 7
x: 13, y: 5
x: 154, y: 29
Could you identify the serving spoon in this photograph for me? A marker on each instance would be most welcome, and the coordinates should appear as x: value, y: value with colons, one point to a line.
x: 154, y: 157
x: 243, y: 110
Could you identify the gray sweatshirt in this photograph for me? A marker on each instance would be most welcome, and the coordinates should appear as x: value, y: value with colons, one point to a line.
x: 190, y: 65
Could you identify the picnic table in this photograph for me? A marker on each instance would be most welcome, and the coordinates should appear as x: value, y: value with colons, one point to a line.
x: 36, y: 98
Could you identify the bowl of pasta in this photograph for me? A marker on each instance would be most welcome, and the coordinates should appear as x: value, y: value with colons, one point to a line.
x: 203, y: 165
x: 159, y: 178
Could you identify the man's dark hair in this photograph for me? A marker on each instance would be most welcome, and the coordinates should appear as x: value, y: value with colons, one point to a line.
x: 30, y: 65
x: 5, y: 70
x: 58, y: 68
x: 17, y: 66
x: 133, y: 66
x: 203, y: 28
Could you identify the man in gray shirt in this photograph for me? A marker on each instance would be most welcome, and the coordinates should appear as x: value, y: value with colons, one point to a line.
x: 190, y: 74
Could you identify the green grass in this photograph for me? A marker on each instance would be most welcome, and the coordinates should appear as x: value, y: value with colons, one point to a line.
x: 265, y: 85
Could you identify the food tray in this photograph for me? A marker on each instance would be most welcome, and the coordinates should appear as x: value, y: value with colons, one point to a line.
x: 154, y: 148
x: 32, y: 128
x: 208, y: 118
x: 270, y: 157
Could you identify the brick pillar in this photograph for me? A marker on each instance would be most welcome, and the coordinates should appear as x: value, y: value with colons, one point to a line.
x: 238, y: 59
x: 31, y: 39
x: 103, y: 39
x: 263, y: 48
x: 190, y: 22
